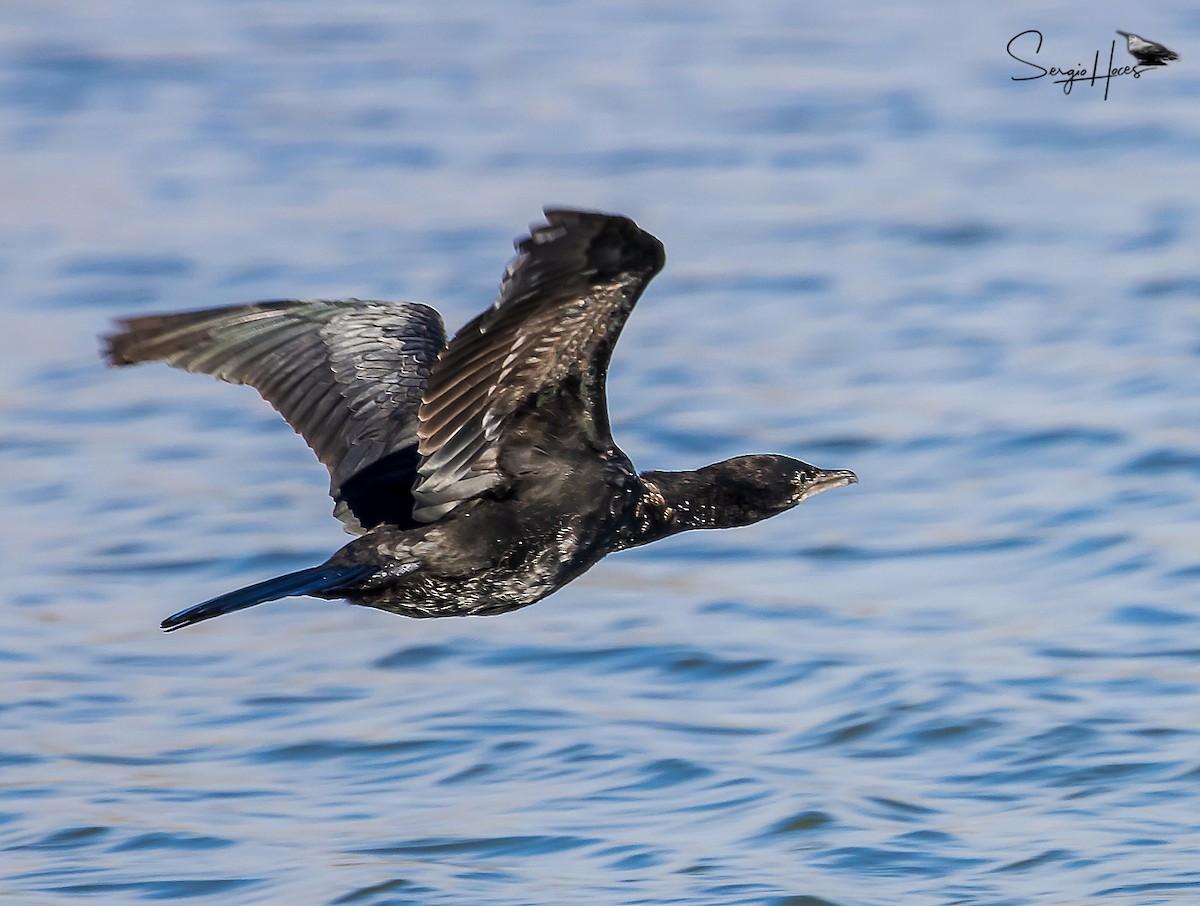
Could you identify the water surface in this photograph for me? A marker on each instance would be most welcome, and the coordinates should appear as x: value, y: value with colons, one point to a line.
x: 973, y: 678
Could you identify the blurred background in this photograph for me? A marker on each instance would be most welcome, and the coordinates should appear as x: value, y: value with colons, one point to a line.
x: 973, y: 678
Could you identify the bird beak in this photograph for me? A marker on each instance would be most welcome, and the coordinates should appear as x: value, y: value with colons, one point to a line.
x: 1123, y: 34
x: 829, y: 478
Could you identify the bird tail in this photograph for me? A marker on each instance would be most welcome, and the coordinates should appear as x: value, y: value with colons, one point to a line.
x: 312, y: 581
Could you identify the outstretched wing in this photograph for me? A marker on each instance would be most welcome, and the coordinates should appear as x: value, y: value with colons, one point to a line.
x: 347, y: 376
x: 548, y: 338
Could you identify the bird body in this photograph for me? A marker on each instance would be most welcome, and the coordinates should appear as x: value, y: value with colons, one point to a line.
x: 496, y: 555
x: 480, y: 474
x: 1147, y: 53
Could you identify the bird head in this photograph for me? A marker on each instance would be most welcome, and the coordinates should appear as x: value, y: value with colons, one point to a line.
x: 754, y: 487
x: 808, y: 480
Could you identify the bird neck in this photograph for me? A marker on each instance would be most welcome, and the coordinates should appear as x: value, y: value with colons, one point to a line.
x: 673, y: 502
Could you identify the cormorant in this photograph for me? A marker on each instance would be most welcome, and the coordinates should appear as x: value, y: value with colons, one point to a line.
x: 1147, y: 53
x: 479, y: 473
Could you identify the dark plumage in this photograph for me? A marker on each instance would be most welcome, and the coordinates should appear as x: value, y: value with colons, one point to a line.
x: 1147, y: 53
x: 480, y: 474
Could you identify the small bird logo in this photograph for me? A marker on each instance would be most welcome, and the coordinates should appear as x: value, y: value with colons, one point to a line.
x: 1147, y: 53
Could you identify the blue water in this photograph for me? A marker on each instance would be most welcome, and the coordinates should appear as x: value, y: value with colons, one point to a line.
x: 973, y: 678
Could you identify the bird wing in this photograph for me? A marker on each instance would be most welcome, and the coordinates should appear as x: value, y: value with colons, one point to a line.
x: 546, y: 340
x: 346, y: 375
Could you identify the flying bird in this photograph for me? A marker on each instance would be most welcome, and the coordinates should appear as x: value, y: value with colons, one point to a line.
x: 1147, y: 53
x: 479, y: 474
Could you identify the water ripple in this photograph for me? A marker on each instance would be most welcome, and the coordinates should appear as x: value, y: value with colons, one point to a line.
x: 971, y: 679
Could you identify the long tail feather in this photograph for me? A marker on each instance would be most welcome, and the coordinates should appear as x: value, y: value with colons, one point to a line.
x: 305, y: 582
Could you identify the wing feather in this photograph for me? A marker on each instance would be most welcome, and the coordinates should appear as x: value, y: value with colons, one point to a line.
x: 346, y: 375
x: 546, y: 341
